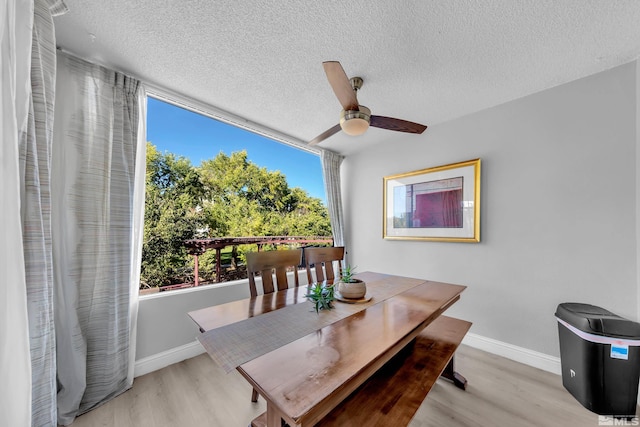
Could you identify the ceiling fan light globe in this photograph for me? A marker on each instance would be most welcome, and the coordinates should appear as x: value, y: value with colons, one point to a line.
x: 355, y: 122
x: 354, y: 127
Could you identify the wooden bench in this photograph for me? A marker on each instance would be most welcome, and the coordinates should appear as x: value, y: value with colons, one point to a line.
x: 395, y: 392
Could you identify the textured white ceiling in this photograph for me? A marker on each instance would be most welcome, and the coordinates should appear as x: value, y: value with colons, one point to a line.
x: 424, y: 61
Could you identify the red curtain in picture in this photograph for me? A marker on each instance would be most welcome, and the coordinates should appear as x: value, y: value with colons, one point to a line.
x: 452, y: 211
x: 441, y: 209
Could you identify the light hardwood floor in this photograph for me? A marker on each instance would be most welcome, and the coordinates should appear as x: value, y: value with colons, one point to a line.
x: 196, y: 393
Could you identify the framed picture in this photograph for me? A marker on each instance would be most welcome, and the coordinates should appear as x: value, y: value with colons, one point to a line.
x: 437, y: 204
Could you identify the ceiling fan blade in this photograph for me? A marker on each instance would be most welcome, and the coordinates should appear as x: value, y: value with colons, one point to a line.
x: 326, y: 134
x: 396, y: 124
x: 340, y: 84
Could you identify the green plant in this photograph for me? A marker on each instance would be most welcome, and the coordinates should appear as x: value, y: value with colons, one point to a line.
x: 321, y: 296
x: 347, y: 274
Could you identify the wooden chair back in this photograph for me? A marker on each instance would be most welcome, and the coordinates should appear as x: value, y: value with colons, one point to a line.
x: 266, y: 263
x: 322, y: 259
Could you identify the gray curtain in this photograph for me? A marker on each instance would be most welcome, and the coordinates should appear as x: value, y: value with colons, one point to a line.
x: 28, y: 82
x: 71, y: 224
x: 97, y: 185
x: 331, y: 176
x: 35, y: 163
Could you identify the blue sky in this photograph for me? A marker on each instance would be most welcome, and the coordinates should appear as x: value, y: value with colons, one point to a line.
x: 199, y: 138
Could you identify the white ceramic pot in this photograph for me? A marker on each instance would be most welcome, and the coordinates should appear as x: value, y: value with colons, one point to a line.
x: 353, y: 290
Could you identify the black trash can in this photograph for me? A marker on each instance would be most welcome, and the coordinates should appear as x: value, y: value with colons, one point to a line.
x: 600, y: 358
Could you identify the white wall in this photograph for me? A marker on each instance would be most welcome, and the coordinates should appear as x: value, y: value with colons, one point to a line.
x: 164, y: 325
x: 558, y: 216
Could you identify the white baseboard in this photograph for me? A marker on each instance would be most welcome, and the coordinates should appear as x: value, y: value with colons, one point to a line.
x: 166, y: 358
x: 518, y: 354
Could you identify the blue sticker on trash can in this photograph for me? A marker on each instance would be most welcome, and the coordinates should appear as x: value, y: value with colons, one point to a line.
x: 619, y: 351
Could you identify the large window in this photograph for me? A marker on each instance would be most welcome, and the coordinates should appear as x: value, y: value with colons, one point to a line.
x: 209, y: 182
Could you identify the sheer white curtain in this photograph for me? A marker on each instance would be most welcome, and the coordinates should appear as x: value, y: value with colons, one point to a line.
x: 16, y: 21
x: 98, y: 186
x: 27, y: 61
x: 331, y: 176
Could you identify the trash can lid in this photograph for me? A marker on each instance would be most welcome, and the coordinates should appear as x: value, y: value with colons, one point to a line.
x: 596, y: 320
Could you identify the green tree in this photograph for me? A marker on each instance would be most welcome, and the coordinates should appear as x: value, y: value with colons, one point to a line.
x: 308, y: 217
x: 172, y: 215
x: 225, y: 196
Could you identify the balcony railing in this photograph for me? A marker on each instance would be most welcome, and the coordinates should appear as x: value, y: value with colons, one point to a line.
x: 197, y: 247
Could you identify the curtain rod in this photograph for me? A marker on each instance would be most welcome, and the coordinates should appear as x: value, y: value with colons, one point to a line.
x: 209, y: 110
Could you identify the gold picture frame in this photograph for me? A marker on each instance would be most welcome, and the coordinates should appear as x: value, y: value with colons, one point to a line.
x: 440, y: 204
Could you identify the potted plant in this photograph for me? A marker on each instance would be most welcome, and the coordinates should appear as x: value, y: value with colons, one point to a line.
x: 350, y: 287
x: 322, y: 296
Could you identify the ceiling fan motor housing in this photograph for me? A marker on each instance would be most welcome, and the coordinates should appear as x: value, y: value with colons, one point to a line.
x: 355, y: 119
x: 355, y: 122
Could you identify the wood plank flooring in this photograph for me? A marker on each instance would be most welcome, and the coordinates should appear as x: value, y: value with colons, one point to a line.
x: 196, y: 393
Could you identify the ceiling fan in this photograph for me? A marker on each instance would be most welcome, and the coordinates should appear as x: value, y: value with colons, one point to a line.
x: 355, y: 119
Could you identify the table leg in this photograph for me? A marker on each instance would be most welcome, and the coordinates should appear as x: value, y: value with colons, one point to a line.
x: 273, y: 418
x: 450, y: 374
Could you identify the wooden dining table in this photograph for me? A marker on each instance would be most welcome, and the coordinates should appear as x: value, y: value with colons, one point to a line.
x: 303, y: 363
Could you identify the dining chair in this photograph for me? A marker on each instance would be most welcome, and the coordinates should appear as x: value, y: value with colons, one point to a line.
x: 321, y: 259
x: 267, y: 264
